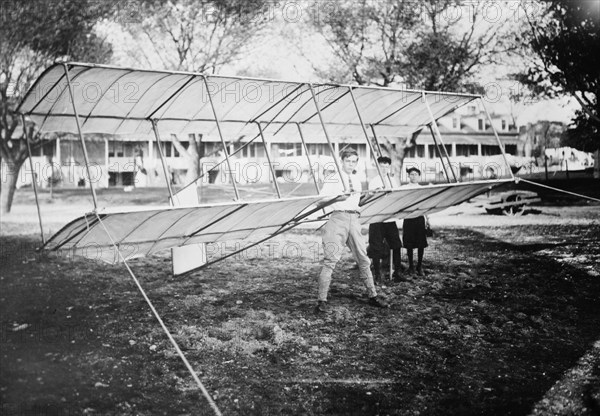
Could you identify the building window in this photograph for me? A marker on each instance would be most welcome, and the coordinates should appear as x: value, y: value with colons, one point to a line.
x: 121, y: 178
x: 490, y: 150
x: 466, y: 150
x: 318, y: 149
x: 480, y: 124
x: 167, y: 148
x: 212, y: 149
x: 432, y: 151
x: 252, y: 150
x: 237, y: 151
x: 46, y: 149
x: 37, y: 151
x: 510, y: 148
x: 455, y: 123
x: 420, y: 150
x: 416, y: 151
x: 504, y: 125
x: 115, y: 149
x: 121, y: 149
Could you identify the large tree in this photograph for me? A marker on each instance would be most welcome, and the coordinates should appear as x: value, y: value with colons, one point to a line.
x: 434, y: 44
x: 431, y: 45
x: 565, y: 42
x: 34, y: 33
x: 196, y: 36
x: 190, y: 35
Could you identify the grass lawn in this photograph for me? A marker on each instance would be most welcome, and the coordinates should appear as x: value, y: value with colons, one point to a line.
x: 505, y: 322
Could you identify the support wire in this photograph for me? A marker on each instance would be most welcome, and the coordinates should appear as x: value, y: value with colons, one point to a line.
x: 205, y: 392
x: 517, y: 180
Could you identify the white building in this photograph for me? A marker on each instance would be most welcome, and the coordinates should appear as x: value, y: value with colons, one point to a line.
x: 125, y: 161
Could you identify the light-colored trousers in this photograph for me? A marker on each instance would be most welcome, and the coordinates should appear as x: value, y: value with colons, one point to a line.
x: 343, y: 229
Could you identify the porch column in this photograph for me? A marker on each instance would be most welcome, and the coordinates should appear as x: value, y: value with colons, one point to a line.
x: 57, y: 153
x: 106, y: 162
x: 367, y: 158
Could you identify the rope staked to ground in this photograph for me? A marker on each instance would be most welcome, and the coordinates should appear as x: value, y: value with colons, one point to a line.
x: 560, y: 190
x: 205, y: 392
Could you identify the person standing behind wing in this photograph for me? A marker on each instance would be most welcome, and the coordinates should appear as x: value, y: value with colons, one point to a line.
x: 343, y: 228
x: 413, y: 229
x: 382, y: 232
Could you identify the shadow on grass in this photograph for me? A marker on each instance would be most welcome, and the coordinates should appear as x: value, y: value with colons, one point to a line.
x: 528, y: 318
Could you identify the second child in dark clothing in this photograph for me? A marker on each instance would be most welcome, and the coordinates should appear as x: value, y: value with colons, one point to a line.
x: 414, y: 230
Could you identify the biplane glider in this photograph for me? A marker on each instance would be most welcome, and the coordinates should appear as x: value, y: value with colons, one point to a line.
x: 171, y: 102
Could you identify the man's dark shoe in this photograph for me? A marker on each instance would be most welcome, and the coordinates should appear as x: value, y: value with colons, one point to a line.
x: 378, y: 302
x: 322, y: 307
x: 420, y: 271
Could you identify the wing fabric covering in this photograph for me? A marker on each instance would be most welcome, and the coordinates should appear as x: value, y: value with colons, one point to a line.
x: 143, y: 233
x: 413, y: 202
x: 114, y: 100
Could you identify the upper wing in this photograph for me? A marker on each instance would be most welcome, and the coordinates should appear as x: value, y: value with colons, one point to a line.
x: 112, y: 100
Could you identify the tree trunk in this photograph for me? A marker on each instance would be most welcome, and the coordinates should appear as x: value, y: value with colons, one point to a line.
x: 191, y: 155
x: 193, y: 162
x: 597, y: 164
x: 9, y: 186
